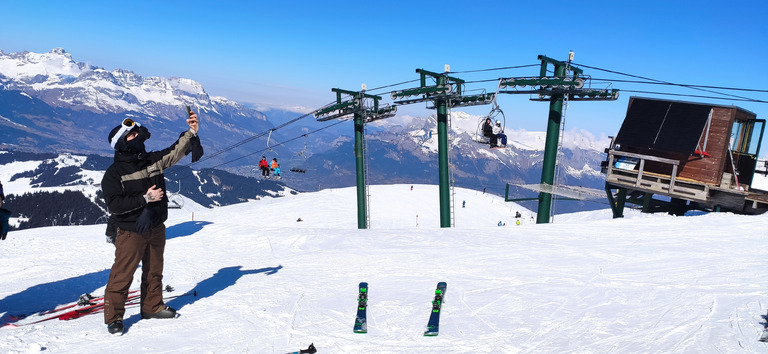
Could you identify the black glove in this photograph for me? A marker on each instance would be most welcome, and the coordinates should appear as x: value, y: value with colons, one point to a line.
x: 144, y: 223
x: 197, y: 149
x: 111, y: 230
x: 194, y: 147
x: 4, y: 226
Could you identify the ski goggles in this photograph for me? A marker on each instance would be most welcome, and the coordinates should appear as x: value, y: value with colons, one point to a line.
x: 127, y: 125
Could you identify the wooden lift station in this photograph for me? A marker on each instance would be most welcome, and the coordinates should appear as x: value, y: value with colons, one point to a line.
x: 691, y: 156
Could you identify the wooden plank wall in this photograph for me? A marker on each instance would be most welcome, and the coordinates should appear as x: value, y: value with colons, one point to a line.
x: 709, y: 169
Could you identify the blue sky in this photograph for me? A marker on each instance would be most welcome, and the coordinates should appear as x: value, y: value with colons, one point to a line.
x: 291, y: 53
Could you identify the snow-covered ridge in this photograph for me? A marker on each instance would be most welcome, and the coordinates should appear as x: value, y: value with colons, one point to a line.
x: 96, y: 88
x: 27, y: 65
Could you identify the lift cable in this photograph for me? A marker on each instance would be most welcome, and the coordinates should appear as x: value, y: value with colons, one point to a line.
x: 303, y: 135
x: 686, y: 85
x: 254, y: 137
x: 698, y: 96
x: 665, y: 82
x: 281, y: 143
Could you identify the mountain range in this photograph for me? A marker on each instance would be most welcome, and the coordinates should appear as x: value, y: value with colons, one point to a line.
x: 52, y: 104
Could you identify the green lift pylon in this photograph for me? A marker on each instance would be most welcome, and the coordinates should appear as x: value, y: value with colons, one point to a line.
x: 554, y: 89
x: 445, y: 93
x: 356, y: 106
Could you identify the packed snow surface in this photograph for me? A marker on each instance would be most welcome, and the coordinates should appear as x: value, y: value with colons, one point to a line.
x: 266, y: 283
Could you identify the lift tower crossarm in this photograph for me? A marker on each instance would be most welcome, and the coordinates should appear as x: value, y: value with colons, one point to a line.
x: 447, y: 79
x: 560, y: 84
x: 448, y: 88
x: 341, y: 109
x: 445, y: 85
x: 354, y: 105
x: 358, y: 97
x: 547, y: 60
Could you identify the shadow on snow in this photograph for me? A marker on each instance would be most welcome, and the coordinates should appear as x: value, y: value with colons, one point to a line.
x: 44, y: 297
x: 186, y: 228
x: 223, y: 279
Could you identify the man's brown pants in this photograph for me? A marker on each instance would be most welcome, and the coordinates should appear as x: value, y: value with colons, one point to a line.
x: 132, y: 248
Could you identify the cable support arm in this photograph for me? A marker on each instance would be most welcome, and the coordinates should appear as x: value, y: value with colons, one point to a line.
x: 547, y: 60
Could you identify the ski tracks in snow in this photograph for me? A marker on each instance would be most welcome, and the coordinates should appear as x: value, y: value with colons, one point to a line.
x: 294, y: 308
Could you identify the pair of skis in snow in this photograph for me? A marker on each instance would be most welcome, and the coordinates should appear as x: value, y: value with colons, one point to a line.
x: 433, y: 325
x: 87, y: 304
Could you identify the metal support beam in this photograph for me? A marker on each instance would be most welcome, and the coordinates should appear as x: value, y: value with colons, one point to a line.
x: 550, y: 151
x: 647, y: 202
x: 617, y: 204
x: 362, y: 210
x: 442, y: 159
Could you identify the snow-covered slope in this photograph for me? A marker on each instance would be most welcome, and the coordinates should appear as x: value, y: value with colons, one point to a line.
x: 268, y: 284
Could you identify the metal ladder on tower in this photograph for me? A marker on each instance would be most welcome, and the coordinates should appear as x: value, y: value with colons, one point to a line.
x: 365, y: 177
x: 452, y: 192
x: 558, y: 167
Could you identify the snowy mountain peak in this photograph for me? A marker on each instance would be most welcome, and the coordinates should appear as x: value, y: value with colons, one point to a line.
x: 59, y: 51
x: 57, y: 89
x: 36, y: 67
x: 61, y: 81
x: 188, y: 86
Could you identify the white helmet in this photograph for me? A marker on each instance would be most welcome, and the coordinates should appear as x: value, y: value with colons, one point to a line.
x: 498, y: 122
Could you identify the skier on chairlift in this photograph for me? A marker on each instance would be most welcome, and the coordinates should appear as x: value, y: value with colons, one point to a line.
x: 275, y: 167
x: 494, y: 133
x: 498, y: 131
x: 488, y: 132
x: 264, y: 167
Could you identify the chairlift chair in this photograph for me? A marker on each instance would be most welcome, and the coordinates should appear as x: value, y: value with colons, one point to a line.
x: 175, y: 201
x: 495, y: 114
x: 299, y: 156
x: 269, y: 137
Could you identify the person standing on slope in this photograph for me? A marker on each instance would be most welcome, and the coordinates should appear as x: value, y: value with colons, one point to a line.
x: 5, y: 214
x: 134, y: 190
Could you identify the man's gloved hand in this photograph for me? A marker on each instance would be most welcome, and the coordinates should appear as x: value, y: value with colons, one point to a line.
x: 144, y: 223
